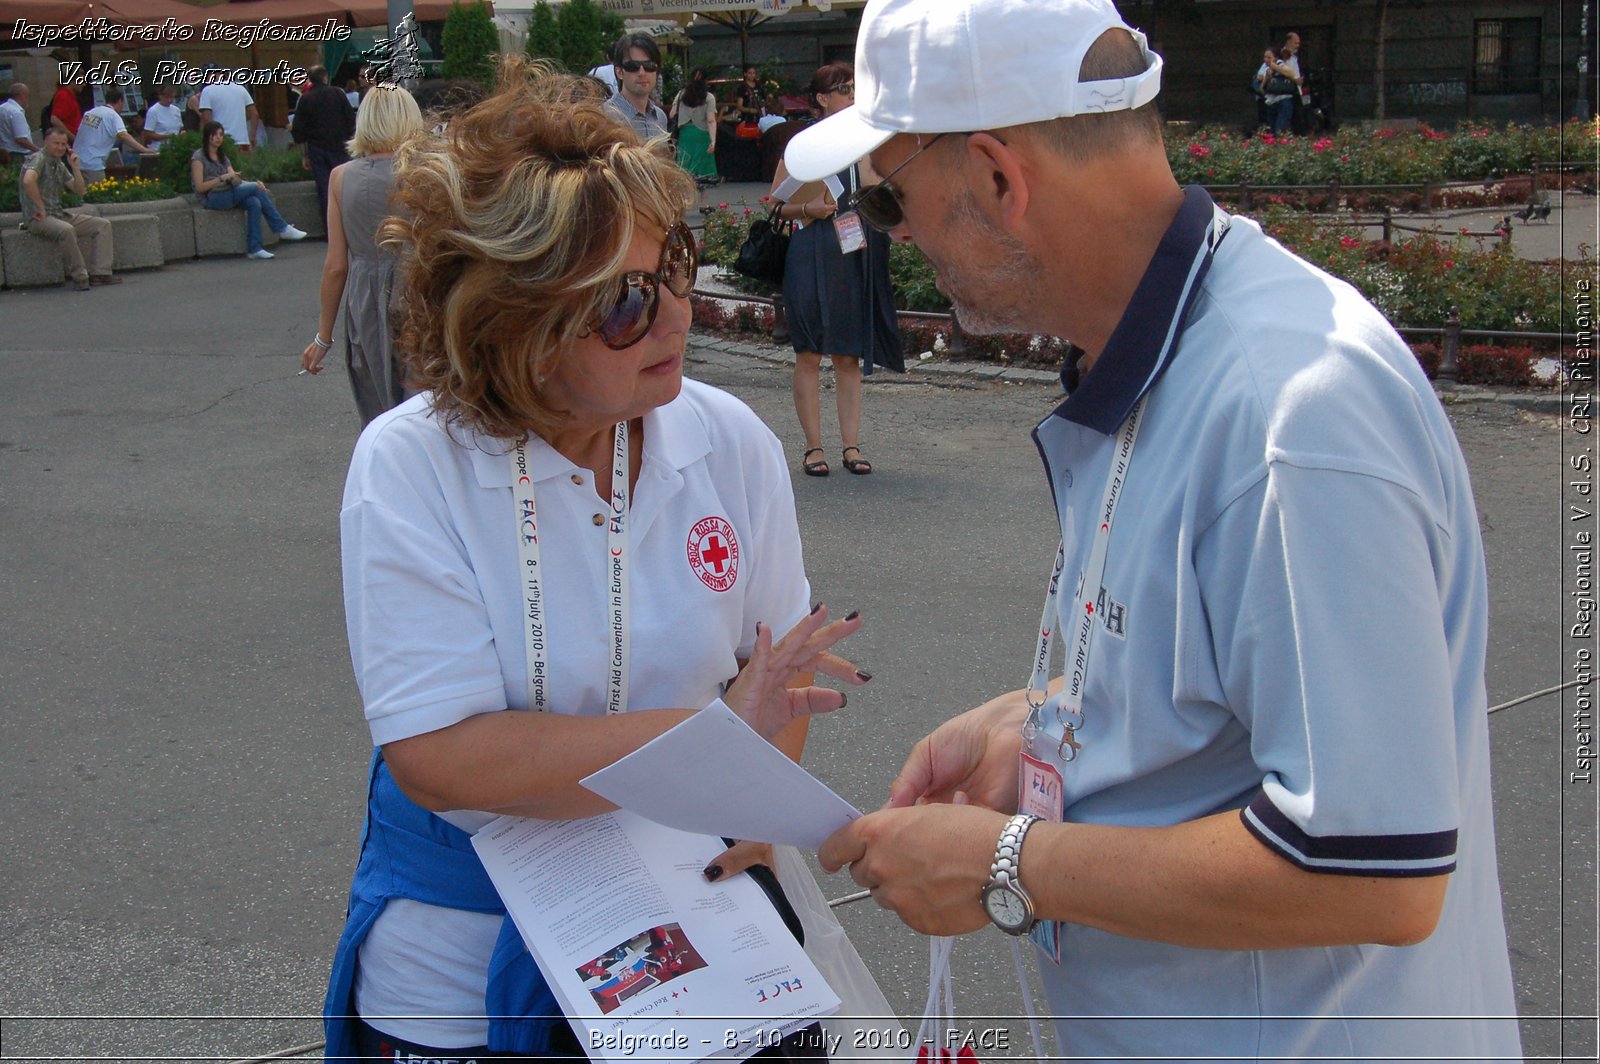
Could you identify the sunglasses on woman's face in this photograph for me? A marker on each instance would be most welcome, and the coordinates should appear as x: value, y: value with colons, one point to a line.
x: 629, y: 320
x: 880, y: 205
x: 633, y: 66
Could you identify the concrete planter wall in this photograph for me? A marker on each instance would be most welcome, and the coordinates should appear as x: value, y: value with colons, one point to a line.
x: 297, y: 202
x: 153, y: 233
x: 175, y: 218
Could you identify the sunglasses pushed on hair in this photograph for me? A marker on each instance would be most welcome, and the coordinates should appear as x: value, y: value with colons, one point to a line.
x: 633, y: 66
x: 630, y: 318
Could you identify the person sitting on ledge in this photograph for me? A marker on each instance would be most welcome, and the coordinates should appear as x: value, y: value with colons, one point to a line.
x: 223, y: 189
x: 43, y: 177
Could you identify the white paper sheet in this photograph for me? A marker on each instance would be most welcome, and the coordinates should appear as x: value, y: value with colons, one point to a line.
x: 649, y: 961
x: 713, y: 775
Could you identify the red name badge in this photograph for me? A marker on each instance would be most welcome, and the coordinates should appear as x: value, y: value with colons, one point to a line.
x: 1039, y: 792
x: 852, y: 237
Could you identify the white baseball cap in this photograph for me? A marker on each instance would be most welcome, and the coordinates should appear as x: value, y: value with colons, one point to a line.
x: 958, y: 66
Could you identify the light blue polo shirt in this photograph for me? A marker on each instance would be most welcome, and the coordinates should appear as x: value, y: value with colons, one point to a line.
x: 1293, y: 624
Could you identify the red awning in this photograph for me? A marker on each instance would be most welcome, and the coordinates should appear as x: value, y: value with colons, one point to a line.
x: 41, y: 12
x: 76, y: 12
x: 142, y: 12
x: 308, y: 12
x: 376, y: 12
x: 278, y: 12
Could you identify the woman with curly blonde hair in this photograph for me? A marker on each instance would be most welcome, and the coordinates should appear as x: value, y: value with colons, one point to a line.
x: 501, y: 656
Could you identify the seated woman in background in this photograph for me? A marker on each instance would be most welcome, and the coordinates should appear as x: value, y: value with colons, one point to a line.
x: 356, y: 269
x: 223, y: 189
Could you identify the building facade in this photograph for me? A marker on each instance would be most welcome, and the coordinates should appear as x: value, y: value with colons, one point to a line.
x: 1442, y: 61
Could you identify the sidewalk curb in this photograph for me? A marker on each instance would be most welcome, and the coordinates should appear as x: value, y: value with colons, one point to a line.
x: 971, y: 374
x: 948, y: 374
x: 1533, y: 402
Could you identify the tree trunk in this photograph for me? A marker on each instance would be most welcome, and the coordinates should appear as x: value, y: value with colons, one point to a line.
x: 1380, y: 48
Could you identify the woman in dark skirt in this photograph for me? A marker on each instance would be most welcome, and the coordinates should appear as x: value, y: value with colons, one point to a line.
x: 836, y: 293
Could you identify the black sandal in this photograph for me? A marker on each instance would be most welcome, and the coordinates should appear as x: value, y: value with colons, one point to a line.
x: 819, y: 468
x: 857, y: 465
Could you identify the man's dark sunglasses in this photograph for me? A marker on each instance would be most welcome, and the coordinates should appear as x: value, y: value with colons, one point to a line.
x: 880, y: 205
x: 630, y: 318
x: 633, y: 66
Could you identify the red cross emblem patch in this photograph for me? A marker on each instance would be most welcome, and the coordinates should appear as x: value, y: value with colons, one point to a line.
x: 714, y: 553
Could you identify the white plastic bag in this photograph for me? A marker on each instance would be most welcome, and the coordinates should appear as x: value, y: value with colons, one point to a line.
x: 864, y: 1027
x: 939, y: 1014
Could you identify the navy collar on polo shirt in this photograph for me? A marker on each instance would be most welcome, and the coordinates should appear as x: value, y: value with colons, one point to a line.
x: 1146, y: 338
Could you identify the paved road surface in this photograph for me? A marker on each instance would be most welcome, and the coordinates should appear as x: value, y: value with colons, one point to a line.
x: 183, y: 752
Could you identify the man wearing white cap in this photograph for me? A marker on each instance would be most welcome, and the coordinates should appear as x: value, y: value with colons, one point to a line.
x: 1243, y: 803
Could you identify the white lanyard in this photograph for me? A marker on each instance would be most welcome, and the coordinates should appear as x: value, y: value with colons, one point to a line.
x: 533, y: 586
x: 1069, y: 707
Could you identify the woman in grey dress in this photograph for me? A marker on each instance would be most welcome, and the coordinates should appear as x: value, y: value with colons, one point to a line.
x: 356, y: 268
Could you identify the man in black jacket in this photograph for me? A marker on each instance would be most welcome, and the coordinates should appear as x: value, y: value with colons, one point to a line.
x: 323, y: 121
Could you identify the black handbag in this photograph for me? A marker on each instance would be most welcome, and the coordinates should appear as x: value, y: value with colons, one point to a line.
x: 763, y: 251
x: 1278, y: 85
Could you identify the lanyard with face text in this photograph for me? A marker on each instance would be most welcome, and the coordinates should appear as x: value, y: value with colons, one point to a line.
x: 1069, y: 706
x: 533, y: 584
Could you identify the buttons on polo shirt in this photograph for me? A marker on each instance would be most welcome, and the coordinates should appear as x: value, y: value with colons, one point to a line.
x: 599, y: 519
x: 577, y: 478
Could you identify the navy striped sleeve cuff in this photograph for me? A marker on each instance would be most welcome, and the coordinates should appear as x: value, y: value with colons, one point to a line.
x: 1429, y: 854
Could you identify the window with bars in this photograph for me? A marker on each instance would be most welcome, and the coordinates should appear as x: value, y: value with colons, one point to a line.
x: 1505, y: 55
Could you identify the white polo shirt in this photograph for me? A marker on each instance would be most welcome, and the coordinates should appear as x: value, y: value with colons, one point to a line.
x: 434, y: 608
x: 164, y: 119
x: 227, y: 102
x: 97, y: 136
x: 1292, y: 624
x: 14, y: 127
x: 606, y: 73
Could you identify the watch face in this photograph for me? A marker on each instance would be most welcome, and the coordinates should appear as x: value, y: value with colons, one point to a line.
x: 1006, y: 909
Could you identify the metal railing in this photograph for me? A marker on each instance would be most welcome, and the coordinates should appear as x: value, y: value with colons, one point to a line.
x: 780, y: 323
x: 1451, y: 332
x: 1334, y: 189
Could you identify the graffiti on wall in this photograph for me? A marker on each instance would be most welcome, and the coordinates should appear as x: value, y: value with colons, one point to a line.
x: 1429, y: 93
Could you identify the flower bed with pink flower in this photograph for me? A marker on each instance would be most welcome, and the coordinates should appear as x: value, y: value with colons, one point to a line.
x: 1215, y: 156
x: 1415, y: 279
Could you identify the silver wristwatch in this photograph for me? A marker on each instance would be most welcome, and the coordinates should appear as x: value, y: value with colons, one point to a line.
x: 1004, y: 899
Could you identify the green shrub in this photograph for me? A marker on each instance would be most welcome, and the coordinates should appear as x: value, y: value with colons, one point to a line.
x: 263, y: 164
x: 10, y: 189
x: 724, y: 233
x: 172, y: 166
x: 726, y: 227
x: 1219, y: 156
x: 469, y: 41
x: 912, y: 276
x: 544, y: 39
x: 672, y: 76
x: 1416, y: 281
x: 587, y: 34
x: 272, y: 164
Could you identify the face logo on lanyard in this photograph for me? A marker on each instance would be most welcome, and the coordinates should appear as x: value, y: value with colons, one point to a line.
x: 714, y: 553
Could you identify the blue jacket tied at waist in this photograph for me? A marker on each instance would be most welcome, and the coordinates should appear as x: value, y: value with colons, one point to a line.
x: 407, y: 852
